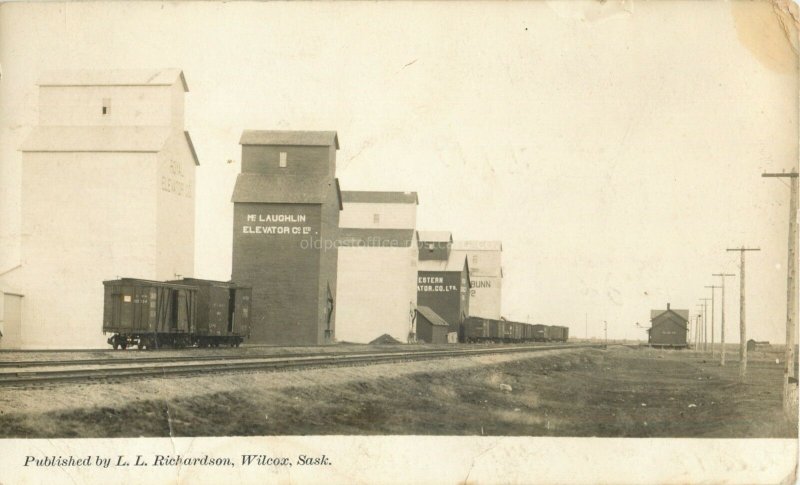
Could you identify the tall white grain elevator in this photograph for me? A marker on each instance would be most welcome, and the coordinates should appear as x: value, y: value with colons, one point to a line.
x: 108, y: 188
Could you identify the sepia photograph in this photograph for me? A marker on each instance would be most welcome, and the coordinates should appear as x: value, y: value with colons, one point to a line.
x: 321, y: 242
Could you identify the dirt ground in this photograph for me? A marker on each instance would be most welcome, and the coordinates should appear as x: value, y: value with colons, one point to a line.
x: 622, y: 392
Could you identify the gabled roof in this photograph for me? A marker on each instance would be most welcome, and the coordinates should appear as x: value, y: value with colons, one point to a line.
x: 375, y: 238
x: 684, y: 314
x: 351, y: 196
x: 478, y: 245
x: 96, y: 139
x: 113, y: 77
x: 431, y: 316
x: 260, y: 188
x: 289, y: 138
x: 435, y: 236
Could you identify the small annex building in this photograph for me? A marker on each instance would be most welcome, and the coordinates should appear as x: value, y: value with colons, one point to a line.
x: 669, y: 328
x: 376, y: 284
x: 108, y: 188
x: 431, y: 328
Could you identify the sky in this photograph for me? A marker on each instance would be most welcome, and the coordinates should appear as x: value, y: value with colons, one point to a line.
x: 615, y: 148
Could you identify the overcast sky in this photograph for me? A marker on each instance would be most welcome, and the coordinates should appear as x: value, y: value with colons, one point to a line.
x: 616, y: 150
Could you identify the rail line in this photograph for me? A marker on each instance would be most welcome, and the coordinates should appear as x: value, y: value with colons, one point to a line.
x: 223, y: 364
x: 195, y: 356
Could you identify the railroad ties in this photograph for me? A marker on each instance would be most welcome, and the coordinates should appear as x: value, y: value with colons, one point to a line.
x: 121, y: 368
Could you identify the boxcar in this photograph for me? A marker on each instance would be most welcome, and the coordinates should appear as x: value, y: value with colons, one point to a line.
x: 519, y: 332
x: 223, y: 312
x: 475, y: 329
x: 527, y: 332
x: 557, y: 334
x: 153, y: 314
x: 503, y: 331
x: 148, y: 313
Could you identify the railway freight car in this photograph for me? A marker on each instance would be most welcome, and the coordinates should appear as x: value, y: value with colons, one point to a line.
x: 191, y: 312
x: 539, y: 333
x: 223, y: 312
x: 557, y: 334
x: 476, y: 329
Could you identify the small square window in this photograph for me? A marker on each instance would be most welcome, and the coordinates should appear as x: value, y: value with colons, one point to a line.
x: 106, y: 106
x: 283, y: 160
x: 376, y: 218
x: 474, y: 259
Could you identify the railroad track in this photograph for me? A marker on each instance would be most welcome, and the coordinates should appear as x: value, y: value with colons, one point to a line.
x: 193, y: 356
x: 270, y: 363
x: 164, y: 360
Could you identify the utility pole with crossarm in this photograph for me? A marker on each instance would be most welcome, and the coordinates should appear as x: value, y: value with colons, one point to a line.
x: 722, y: 325
x: 713, y: 287
x: 705, y: 323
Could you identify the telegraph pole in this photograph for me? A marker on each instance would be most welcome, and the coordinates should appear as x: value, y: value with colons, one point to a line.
x: 789, y: 373
x: 722, y: 324
x: 700, y: 342
x: 705, y: 323
x: 742, y: 326
x: 712, y: 317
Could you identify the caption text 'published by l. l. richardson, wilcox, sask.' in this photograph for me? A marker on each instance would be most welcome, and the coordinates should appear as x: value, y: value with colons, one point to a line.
x: 256, y: 460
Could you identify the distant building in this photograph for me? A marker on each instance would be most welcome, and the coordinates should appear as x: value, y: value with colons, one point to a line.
x: 756, y: 345
x: 485, y: 275
x: 431, y: 328
x: 108, y: 187
x: 377, y: 291
x: 669, y: 328
x: 286, y: 206
x: 443, y: 278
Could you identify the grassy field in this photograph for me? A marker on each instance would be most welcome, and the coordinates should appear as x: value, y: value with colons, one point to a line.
x: 621, y: 392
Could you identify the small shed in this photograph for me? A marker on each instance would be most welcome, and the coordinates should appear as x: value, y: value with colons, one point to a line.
x: 756, y: 345
x: 431, y: 328
x: 669, y: 328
